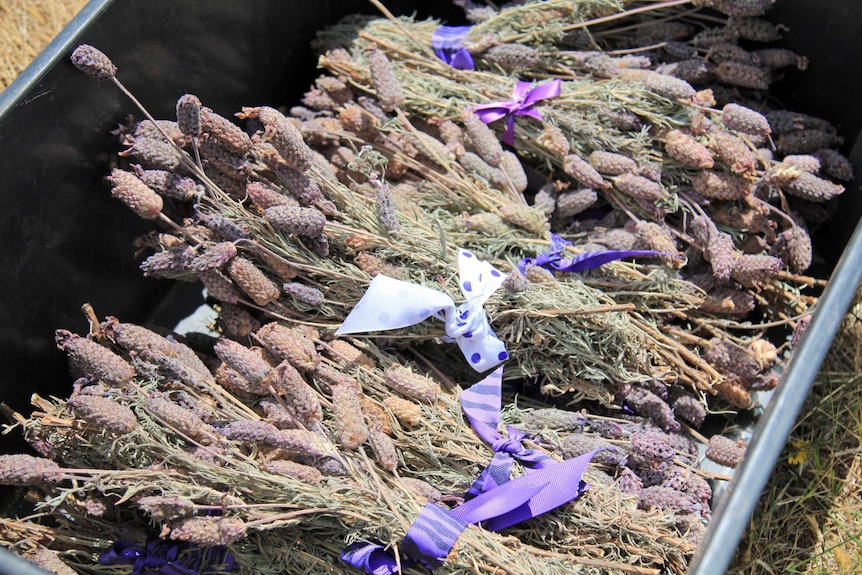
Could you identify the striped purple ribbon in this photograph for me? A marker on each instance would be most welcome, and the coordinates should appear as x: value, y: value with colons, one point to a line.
x: 446, y: 41
x: 554, y: 261
x: 481, y: 404
x: 497, y: 502
x: 523, y: 102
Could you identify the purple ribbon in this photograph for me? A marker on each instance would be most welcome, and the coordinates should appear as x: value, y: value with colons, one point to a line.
x: 435, y: 531
x: 165, y: 557
x: 446, y: 41
x: 524, y: 98
x: 554, y: 261
x: 481, y: 403
x: 497, y: 503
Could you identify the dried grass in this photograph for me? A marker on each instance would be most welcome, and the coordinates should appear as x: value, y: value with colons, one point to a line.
x: 810, y: 518
x: 26, y: 27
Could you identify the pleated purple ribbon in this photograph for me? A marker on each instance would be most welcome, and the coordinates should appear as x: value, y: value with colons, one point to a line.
x: 164, y: 557
x: 554, y: 261
x: 525, y: 96
x: 497, y: 502
x: 446, y: 41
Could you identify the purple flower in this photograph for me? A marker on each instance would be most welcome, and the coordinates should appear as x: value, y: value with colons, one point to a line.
x: 554, y: 261
x: 446, y: 41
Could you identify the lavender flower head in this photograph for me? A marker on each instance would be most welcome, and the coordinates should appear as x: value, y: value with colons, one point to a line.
x: 446, y: 41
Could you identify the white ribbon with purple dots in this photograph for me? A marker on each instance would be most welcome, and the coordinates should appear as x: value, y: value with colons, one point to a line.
x: 390, y: 304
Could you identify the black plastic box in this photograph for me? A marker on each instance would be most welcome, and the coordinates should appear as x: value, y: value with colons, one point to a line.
x: 64, y: 242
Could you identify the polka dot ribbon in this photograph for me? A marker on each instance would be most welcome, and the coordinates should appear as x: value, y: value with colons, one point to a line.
x: 391, y: 304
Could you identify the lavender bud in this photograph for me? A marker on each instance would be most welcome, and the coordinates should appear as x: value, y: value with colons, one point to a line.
x: 250, y: 430
x: 667, y: 498
x: 189, y: 115
x: 409, y: 414
x: 166, y: 507
x: 300, y: 397
x: 244, y: 360
x: 384, y: 450
x: 690, y: 409
x: 347, y: 410
x: 651, y: 406
x: 290, y: 344
x: 296, y: 220
x: 579, y: 443
x: 306, y: 294
x: 139, y: 197
x: 219, y: 286
x: 170, y: 185
x: 93, y: 62
x: 172, y: 263
x: 178, y: 418
x: 209, y: 531
x: 304, y: 473
x: 385, y: 82
x: 224, y: 132
x: 552, y: 418
x: 302, y: 442
x: 629, y: 482
x: 606, y: 428
x: 215, y: 256
x: 651, y: 446
x: 423, y: 489
x: 483, y: 139
x: 103, y: 413
x: 252, y: 281
x: 286, y: 139
x: 725, y: 451
x: 94, y: 360
x: 24, y: 469
x: 412, y: 384
x: 385, y: 207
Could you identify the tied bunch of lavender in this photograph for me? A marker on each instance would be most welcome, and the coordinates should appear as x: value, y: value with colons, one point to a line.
x: 210, y: 455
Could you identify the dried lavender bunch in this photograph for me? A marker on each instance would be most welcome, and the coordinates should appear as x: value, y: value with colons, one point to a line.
x: 259, y: 475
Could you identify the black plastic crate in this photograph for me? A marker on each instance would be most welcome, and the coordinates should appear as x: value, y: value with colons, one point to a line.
x: 63, y: 242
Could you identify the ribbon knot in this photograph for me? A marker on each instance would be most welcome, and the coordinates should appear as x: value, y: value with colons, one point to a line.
x: 390, y: 304
x: 523, y: 102
x: 512, y: 444
x: 496, y: 504
x: 481, y: 403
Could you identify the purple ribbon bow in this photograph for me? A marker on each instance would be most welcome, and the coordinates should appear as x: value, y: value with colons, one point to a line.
x: 524, y: 98
x: 554, y: 261
x: 435, y: 531
x: 497, y: 502
x: 164, y: 557
x: 446, y: 41
x: 481, y: 403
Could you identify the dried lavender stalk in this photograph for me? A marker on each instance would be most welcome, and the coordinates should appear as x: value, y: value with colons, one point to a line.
x: 94, y: 360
